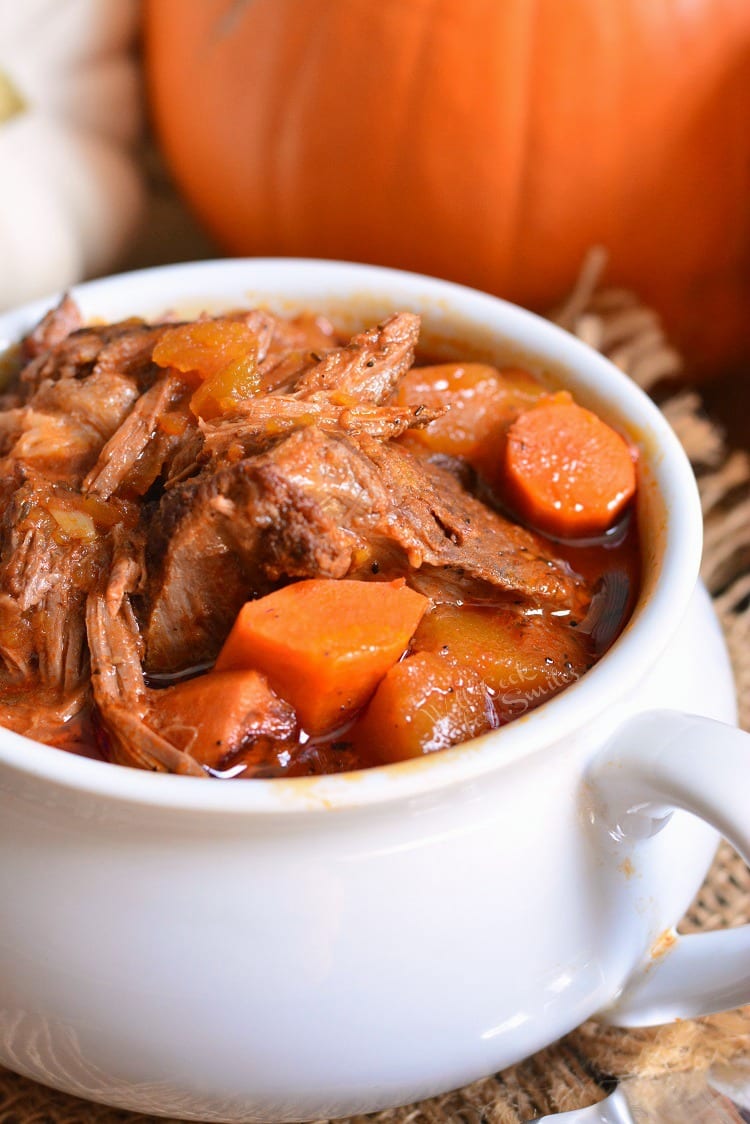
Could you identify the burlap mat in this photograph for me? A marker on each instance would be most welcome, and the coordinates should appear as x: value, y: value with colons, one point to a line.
x: 583, y: 1067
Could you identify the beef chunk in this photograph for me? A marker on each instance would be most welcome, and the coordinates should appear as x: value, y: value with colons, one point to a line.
x: 296, y: 345
x: 259, y: 422
x: 124, y: 348
x: 120, y: 692
x: 134, y: 455
x: 44, y: 577
x: 324, y: 505
x: 53, y: 328
x: 197, y: 583
x: 62, y: 428
x: 369, y: 367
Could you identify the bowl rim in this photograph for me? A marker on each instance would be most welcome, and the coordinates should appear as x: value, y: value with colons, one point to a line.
x: 649, y: 630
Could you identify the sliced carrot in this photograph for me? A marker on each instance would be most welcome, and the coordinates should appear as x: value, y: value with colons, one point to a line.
x: 567, y: 472
x: 423, y: 704
x: 216, y: 714
x: 324, y: 644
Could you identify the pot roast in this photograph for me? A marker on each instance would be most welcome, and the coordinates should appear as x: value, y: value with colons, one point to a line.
x: 133, y: 529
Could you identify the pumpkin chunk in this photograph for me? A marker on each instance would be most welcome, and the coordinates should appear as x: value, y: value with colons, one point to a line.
x: 523, y: 657
x: 481, y: 402
x: 222, y: 353
x: 204, y: 346
x: 227, y: 388
x: 422, y: 705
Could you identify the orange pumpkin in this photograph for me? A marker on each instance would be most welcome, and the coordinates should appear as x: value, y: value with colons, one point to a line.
x: 488, y: 141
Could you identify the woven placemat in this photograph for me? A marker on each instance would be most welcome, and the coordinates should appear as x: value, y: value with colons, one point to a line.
x: 583, y: 1067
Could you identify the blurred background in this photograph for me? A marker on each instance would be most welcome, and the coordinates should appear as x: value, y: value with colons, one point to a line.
x: 489, y: 143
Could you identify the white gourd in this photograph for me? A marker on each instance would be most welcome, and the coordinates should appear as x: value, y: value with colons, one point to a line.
x: 70, y: 191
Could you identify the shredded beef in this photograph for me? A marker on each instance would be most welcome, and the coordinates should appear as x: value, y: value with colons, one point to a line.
x: 368, y: 368
x: 53, y: 328
x: 259, y: 422
x: 324, y: 505
x: 131, y: 532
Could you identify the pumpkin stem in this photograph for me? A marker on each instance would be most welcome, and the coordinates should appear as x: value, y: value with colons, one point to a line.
x: 11, y: 101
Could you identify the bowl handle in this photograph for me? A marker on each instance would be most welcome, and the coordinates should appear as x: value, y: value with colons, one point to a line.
x: 656, y: 762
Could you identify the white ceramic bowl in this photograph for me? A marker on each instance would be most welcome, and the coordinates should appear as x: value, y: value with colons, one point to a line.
x: 293, y: 949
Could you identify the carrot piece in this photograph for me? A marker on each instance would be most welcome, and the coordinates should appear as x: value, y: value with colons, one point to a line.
x: 325, y: 644
x: 423, y: 704
x: 567, y: 472
x: 215, y: 714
